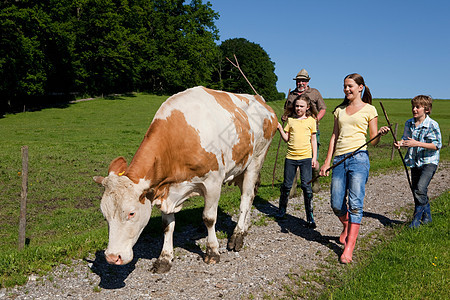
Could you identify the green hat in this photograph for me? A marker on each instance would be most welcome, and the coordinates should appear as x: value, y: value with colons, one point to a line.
x: 303, y: 74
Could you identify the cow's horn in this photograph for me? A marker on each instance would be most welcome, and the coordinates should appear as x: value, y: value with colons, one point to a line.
x: 98, y: 179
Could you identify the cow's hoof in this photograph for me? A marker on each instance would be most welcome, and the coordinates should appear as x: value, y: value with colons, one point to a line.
x: 236, y: 242
x: 161, y: 266
x: 211, y: 257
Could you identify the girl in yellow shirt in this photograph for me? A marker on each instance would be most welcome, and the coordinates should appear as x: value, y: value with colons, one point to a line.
x: 300, y: 134
x: 351, y: 120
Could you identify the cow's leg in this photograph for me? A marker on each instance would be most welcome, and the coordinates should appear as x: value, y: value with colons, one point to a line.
x: 164, y: 262
x: 210, y: 218
x: 248, y: 190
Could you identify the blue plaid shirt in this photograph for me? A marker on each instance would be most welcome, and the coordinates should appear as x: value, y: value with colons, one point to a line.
x: 427, y: 132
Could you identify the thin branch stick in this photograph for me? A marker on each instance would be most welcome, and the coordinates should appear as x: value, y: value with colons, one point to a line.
x: 278, y: 149
x: 393, y: 147
x: 276, y: 158
x: 23, y: 199
x: 239, y: 68
x: 399, y: 152
x: 345, y: 158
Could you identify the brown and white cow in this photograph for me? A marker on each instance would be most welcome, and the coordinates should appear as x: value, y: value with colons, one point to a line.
x: 198, y: 140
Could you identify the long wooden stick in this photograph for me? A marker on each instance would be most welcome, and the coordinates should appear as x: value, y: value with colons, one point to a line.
x: 393, y: 146
x: 23, y: 199
x: 276, y: 158
x: 345, y: 158
x: 399, y: 152
x: 278, y: 149
x: 239, y: 68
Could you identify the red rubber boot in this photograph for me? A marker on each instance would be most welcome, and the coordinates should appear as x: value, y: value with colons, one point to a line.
x: 344, y: 221
x: 353, y: 230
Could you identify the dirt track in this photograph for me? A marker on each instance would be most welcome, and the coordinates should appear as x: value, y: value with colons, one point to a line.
x: 271, y: 252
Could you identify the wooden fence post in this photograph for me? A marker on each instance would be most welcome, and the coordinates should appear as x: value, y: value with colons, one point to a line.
x: 23, y: 198
x: 393, y: 147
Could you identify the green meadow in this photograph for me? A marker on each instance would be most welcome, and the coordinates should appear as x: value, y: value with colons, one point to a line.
x: 71, y: 144
x: 408, y: 264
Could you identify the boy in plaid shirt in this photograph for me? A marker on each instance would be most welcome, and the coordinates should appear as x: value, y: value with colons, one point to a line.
x: 422, y: 136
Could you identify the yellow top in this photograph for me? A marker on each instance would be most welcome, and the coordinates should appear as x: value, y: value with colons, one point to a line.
x: 353, y: 128
x: 299, y: 143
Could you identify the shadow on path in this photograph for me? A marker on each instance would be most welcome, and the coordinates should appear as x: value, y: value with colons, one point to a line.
x: 297, y: 226
x: 150, y: 243
x: 385, y: 221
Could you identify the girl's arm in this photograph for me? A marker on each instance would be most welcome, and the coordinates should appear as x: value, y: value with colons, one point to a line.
x: 373, y: 131
x: 284, y: 135
x: 314, y: 162
x: 331, y: 148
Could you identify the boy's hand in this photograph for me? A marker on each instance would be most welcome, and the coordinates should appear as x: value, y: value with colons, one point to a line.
x: 398, y: 144
x: 410, y: 143
x: 407, y: 143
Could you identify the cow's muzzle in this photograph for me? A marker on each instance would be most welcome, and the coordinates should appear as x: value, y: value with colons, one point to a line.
x: 114, y: 259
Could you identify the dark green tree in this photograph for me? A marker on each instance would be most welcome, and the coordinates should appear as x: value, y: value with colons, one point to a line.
x: 254, y: 62
x: 22, y: 55
x: 180, y: 45
x: 93, y: 47
x: 35, y: 53
x: 103, y: 56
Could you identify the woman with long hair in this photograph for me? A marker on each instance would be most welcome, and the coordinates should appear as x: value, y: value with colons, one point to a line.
x: 351, y: 119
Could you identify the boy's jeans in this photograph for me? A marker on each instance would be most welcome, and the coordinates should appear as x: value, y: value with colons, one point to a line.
x: 348, y: 180
x: 421, y: 177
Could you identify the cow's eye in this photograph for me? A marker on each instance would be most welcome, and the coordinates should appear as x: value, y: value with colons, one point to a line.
x: 131, y: 215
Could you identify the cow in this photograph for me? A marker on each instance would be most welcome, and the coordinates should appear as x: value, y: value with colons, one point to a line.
x: 198, y: 140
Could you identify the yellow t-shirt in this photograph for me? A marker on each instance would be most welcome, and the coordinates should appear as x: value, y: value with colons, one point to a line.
x: 299, y: 143
x: 353, y: 128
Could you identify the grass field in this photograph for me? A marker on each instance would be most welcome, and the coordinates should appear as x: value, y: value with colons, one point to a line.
x: 414, y: 264
x: 69, y: 145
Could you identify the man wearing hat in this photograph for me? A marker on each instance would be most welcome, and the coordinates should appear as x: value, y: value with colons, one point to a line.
x: 302, y: 83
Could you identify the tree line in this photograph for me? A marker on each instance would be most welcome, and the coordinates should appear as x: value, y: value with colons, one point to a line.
x: 65, y: 48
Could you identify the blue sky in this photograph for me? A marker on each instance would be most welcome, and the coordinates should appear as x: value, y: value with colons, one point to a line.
x: 401, y: 48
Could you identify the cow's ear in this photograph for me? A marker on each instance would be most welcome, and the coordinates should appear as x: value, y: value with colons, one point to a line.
x: 147, y: 194
x: 99, y: 179
x: 118, y: 166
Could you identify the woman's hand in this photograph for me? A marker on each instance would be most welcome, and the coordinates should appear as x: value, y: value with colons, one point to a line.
x: 384, y: 130
x: 323, y: 170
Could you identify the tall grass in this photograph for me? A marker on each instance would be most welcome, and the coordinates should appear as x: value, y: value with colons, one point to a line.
x: 69, y: 145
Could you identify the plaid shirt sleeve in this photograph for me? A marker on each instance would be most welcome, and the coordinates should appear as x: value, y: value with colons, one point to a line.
x: 434, y: 135
x: 407, y: 131
x: 427, y: 132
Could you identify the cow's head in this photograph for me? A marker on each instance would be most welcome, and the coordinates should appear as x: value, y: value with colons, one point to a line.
x: 127, y: 210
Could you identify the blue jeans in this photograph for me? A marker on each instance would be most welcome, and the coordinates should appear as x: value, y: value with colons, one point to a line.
x: 420, y: 179
x: 348, y: 185
x: 290, y: 168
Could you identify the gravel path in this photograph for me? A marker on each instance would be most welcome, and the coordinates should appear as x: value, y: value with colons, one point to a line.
x: 270, y: 253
